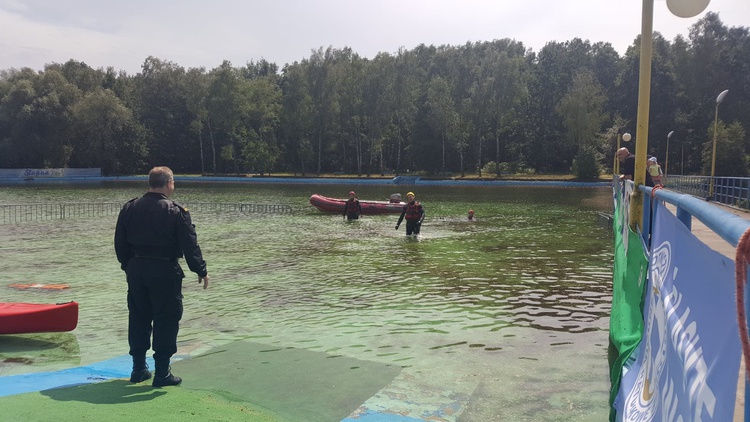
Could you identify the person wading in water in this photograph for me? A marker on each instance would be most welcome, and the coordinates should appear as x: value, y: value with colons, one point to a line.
x: 352, y: 208
x: 414, y: 213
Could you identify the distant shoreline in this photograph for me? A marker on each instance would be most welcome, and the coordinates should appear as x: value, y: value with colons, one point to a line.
x: 397, y: 181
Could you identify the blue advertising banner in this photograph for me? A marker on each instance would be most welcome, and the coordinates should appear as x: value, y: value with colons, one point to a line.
x: 688, y: 360
x: 32, y: 173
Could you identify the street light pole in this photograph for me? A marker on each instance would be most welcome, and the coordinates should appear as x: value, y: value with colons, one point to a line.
x: 683, y: 9
x: 616, y: 164
x: 625, y: 137
x: 682, y: 160
x: 719, y: 99
x: 666, y: 160
x: 644, y: 101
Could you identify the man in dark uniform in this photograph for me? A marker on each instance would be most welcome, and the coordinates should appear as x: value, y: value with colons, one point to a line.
x: 414, y: 213
x: 152, y: 233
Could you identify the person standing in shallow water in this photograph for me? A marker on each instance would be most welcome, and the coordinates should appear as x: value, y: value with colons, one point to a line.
x: 414, y: 213
x: 152, y: 233
x: 470, y: 216
x: 352, y: 207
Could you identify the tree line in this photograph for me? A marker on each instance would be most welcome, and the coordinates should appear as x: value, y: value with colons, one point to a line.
x: 483, y: 107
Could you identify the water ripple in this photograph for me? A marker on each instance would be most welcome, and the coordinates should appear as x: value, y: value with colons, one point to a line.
x: 524, y: 281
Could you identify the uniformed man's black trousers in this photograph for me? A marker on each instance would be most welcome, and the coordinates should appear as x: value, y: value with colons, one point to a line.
x: 154, y: 297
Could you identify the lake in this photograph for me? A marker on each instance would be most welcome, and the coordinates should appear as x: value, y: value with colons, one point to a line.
x: 503, y: 318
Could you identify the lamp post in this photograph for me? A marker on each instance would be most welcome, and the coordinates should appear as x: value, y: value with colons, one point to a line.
x: 616, y: 163
x: 683, y: 9
x: 719, y: 99
x: 626, y: 138
x: 682, y: 160
x: 666, y: 160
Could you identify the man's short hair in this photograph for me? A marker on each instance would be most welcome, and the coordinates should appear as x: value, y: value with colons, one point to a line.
x: 158, y: 177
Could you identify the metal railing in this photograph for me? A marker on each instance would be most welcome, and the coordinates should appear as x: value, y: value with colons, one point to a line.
x: 241, y: 208
x: 22, y: 213
x: 732, y: 191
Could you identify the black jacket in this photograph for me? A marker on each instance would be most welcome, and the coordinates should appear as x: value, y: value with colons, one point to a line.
x: 628, y: 169
x: 153, y: 226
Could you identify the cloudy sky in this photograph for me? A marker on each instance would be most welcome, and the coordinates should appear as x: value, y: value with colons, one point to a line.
x: 203, y: 33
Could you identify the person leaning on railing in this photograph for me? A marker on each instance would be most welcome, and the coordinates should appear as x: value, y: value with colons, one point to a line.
x: 627, y: 166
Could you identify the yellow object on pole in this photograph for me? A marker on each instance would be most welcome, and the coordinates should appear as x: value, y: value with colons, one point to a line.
x: 644, y: 101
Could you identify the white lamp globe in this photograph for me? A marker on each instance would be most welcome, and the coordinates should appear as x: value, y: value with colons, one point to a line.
x: 687, y: 8
x: 626, y: 137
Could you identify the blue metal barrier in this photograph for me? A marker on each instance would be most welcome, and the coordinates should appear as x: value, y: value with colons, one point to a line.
x: 732, y: 191
x: 727, y: 225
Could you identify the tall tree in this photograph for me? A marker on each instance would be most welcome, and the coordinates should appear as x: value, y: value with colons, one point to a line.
x: 352, y: 119
x: 500, y: 91
x: 553, y: 72
x: 162, y: 108
x: 197, y: 82
x: 379, y: 104
x: 582, y: 112
x: 41, y: 130
x: 407, y: 77
x: 296, y: 117
x: 226, y: 104
x: 261, y: 108
x: 107, y: 135
x: 731, y: 158
x: 323, y: 81
x: 442, y: 115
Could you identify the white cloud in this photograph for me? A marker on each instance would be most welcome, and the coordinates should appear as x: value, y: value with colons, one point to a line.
x: 195, y: 33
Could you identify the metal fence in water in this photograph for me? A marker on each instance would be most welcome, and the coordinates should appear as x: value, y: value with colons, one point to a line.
x: 21, y: 213
x: 241, y: 208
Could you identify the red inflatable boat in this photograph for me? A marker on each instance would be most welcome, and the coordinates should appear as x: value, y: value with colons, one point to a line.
x: 24, y: 318
x: 326, y: 204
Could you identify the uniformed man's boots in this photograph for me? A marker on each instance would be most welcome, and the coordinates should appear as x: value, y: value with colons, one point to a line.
x: 140, y: 371
x: 164, y: 377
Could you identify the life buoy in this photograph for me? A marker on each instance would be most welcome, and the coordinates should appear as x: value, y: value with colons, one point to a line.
x: 40, y: 286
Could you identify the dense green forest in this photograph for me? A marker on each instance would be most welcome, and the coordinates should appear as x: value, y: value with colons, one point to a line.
x: 434, y: 110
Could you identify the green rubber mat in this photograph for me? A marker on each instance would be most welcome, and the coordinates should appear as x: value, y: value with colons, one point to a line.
x: 297, y: 384
x: 240, y: 381
x: 121, y: 401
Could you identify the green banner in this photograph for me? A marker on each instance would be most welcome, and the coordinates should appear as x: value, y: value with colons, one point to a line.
x: 628, y: 283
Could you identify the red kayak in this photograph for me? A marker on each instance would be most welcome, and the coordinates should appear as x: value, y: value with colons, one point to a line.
x: 23, y: 318
x: 326, y: 204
